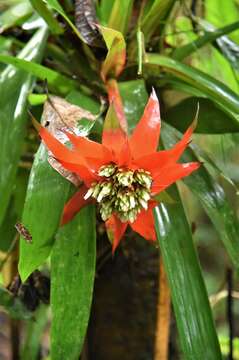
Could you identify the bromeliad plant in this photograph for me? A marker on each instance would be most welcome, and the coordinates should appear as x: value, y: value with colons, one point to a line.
x: 124, y: 174
x: 107, y: 56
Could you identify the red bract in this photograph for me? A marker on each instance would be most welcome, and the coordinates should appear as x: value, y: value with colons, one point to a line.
x: 123, y: 174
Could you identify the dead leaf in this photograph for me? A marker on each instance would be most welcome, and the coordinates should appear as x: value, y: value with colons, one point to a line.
x: 59, y: 115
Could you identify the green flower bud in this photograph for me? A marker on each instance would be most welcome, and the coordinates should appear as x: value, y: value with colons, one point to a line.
x: 125, y: 178
x: 107, y: 170
x: 106, y: 188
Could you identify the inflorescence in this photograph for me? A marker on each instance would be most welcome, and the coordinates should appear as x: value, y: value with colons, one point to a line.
x: 122, y: 191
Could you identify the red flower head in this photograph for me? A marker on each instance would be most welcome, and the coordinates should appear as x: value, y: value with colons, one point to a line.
x: 123, y: 174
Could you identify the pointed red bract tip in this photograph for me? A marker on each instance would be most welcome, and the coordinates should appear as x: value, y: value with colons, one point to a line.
x: 115, y: 229
x: 145, y: 137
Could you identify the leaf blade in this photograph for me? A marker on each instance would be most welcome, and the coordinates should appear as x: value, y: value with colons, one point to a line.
x: 193, y: 315
x: 46, y: 194
x: 213, y: 88
x: 15, y: 85
x: 73, y: 269
x: 213, y: 199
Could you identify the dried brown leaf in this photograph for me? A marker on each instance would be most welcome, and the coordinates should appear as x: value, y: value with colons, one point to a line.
x: 59, y: 115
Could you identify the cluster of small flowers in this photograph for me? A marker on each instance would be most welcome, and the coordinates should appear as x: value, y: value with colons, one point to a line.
x: 122, y: 191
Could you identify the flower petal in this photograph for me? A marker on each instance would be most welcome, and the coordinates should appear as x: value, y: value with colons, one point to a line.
x: 74, y: 205
x: 86, y: 147
x: 172, y: 173
x: 144, y: 139
x: 116, y: 229
x: 125, y: 156
x: 113, y: 136
x: 144, y: 224
x: 156, y: 161
x: 60, y: 151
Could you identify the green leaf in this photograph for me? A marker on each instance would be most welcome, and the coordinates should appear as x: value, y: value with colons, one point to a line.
x: 190, y: 300
x: 213, y: 199
x: 14, y: 87
x: 209, y: 36
x: 57, y: 81
x: 212, y: 88
x: 46, y: 195
x: 220, y: 13
x: 84, y: 101
x: 34, y: 330
x: 115, y: 59
x: 120, y: 15
x: 155, y: 16
x: 46, y: 14
x: 15, y: 15
x: 135, y: 97
x: 13, y: 305
x: 72, y: 280
x: 14, y: 210
x: 211, y: 119
x: 54, y: 4
x: 106, y: 7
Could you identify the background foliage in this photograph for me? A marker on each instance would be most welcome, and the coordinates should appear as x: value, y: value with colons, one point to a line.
x: 189, y: 52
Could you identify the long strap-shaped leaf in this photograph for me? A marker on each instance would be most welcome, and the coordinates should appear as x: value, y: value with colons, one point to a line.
x: 57, y: 81
x: 209, y: 36
x: 213, y: 199
x: 190, y: 301
x: 14, y: 88
x: 211, y: 87
x: 72, y: 274
x: 46, y: 194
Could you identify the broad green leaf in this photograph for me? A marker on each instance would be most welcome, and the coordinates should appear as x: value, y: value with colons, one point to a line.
x: 54, y: 4
x: 220, y: 13
x: 46, y: 195
x: 213, y: 199
x: 46, y: 14
x: 84, y: 101
x: 15, y: 15
x: 34, y: 331
x: 57, y: 81
x: 155, y: 17
x: 209, y: 36
x: 135, y: 97
x: 14, y: 87
x: 13, y: 305
x: 115, y: 59
x: 72, y: 280
x: 197, y: 333
x: 120, y: 15
x: 212, y: 88
x: 211, y: 119
x: 14, y: 210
